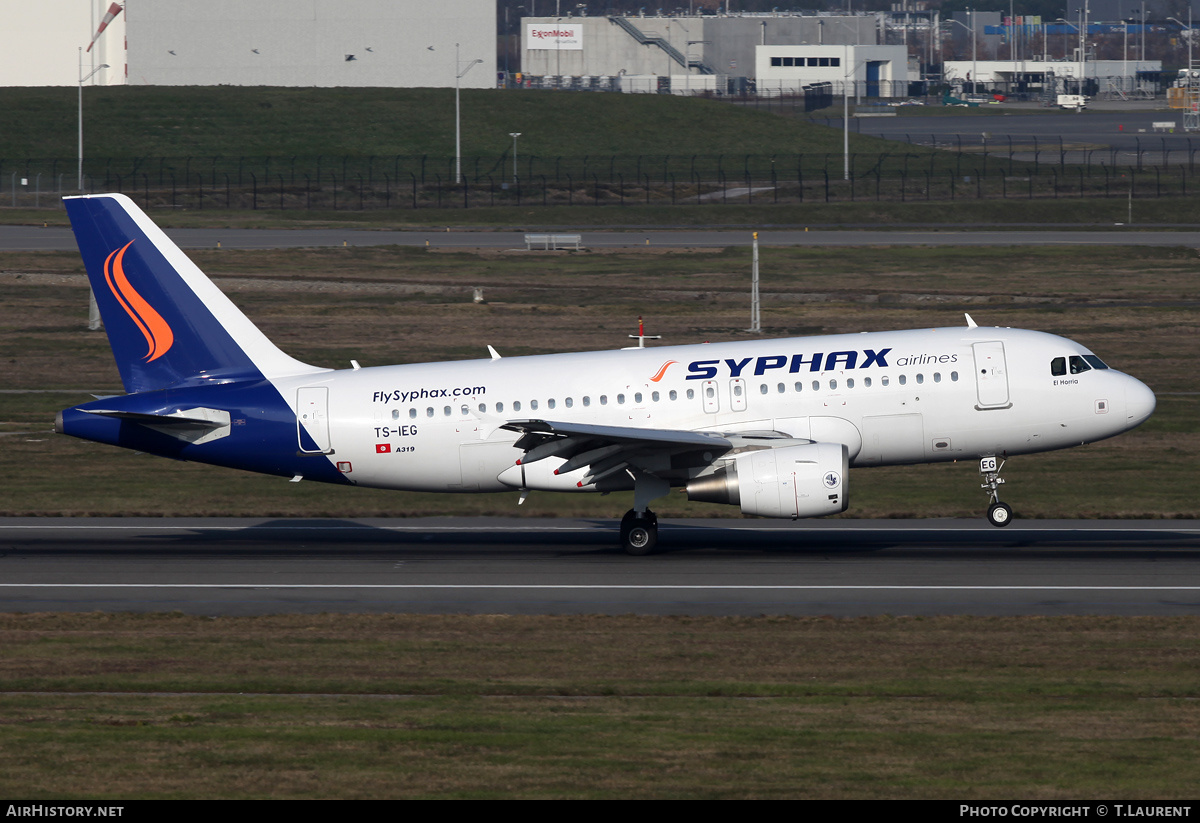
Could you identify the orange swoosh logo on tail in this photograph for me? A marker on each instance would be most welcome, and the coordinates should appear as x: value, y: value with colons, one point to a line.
x: 150, y: 323
x: 662, y: 371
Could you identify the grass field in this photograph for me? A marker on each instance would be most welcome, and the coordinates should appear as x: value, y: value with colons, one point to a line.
x: 1136, y: 307
x: 598, y: 707
x: 121, y: 707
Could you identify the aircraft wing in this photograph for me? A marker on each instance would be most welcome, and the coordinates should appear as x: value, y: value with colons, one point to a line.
x: 605, y: 450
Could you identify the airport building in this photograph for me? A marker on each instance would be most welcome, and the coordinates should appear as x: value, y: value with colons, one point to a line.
x: 380, y: 43
x: 686, y: 54
x: 1090, y: 77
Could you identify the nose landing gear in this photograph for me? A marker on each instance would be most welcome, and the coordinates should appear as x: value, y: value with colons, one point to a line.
x: 998, y: 514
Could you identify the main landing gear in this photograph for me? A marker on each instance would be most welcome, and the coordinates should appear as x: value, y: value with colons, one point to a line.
x: 639, y: 526
x: 998, y: 514
x: 639, y: 532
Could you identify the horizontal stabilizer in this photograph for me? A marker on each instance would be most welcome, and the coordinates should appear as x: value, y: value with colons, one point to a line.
x: 196, y: 426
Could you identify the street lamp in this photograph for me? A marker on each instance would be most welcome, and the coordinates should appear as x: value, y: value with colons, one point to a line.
x: 974, y: 53
x: 1188, y: 26
x: 514, y: 135
x: 457, y: 114
x: 83, y: 79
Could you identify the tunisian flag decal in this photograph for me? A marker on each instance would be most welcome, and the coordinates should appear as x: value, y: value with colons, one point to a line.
x: 383, y: 448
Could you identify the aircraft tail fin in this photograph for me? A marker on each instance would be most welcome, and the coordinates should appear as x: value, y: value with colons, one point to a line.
x: 167, y: 323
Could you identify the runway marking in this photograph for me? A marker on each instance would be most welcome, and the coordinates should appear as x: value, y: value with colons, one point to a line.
x: 512, y: 527
x: 581, y: 586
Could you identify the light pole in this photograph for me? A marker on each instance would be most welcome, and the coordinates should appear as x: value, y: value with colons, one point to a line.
x: 974, y: 59
x: 82, y: 80
x: 514, y: 135
x: 458, y: 114
x: 1188, y: 26
x: 846, y: 110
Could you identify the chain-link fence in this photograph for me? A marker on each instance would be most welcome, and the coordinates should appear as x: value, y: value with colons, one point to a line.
x: 1001, y: 167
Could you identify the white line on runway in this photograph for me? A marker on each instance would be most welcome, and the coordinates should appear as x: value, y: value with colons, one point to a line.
x: 583, y: 586
x: 1090, y: 527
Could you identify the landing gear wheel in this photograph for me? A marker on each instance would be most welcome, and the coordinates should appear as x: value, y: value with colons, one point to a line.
x: 626, y: 524
x: 641, y: 539
x: 639, y: 533
x: 999, y: 514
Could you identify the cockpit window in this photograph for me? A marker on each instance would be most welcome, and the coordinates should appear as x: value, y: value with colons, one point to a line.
x: 1058, y: 366
x: 1096, y: 362
x: 1079, y: 365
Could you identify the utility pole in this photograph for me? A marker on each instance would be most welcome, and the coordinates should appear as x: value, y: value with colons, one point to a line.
x: 755, y: 305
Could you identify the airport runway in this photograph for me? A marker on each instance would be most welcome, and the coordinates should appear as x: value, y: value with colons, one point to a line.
x: 33, y: 238
x: 546, y: 566
x: 1126, y: 131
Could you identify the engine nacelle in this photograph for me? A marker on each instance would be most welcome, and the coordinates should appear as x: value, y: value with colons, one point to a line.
x: 794, y: 481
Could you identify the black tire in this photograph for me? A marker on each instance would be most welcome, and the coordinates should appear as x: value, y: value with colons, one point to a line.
x: 1000, y: 514
x: 626, y: 524
x: 641, y: 539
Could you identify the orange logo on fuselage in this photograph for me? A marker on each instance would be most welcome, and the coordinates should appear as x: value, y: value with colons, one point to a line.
x: 662, y: 371
x: 158, y: 334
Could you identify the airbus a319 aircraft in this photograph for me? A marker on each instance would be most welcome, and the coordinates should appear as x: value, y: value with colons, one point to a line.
x: 771, y: 426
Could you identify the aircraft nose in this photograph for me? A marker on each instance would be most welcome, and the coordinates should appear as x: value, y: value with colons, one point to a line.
x: 1139, y: 402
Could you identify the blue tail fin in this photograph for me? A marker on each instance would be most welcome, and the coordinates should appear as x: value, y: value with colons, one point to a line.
x: 167, y: 323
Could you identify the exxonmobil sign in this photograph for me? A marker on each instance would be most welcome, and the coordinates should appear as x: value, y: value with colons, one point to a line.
x: 554, y: 36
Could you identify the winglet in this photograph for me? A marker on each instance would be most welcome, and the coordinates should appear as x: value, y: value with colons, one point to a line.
x: 495, y: 354
x: 971, y: 324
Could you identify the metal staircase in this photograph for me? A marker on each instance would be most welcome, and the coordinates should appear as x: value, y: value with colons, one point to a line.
x: 653, y: 39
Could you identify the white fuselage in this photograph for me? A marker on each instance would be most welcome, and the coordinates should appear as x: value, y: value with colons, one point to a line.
x: 897, y: 397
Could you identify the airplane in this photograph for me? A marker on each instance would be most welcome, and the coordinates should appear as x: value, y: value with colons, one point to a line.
x: 771, y: 426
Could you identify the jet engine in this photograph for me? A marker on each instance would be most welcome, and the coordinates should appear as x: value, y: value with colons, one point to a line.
x: 794, y: 481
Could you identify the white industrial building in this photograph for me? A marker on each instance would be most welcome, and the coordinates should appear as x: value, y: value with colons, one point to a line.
x: 382, y: 43
x: 877, y: 71
x: 1109, y: 76
x: 686, y: 49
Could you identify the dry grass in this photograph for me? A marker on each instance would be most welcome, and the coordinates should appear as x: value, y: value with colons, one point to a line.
x: 489, y: 706
x: 1136, y: 307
